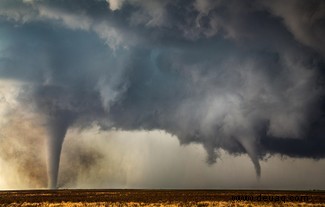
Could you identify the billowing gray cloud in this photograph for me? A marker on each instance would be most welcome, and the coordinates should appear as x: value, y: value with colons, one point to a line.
x: 305, y: 20
x: 243, y: 76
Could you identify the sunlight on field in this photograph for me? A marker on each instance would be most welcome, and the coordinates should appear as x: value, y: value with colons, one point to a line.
x: 167, y: 204
x: 171, y: 198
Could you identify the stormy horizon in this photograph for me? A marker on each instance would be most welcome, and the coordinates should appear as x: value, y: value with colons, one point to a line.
x: 162, y: 94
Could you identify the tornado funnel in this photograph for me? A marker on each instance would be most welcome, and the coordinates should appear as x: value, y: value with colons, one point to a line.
x: 57, y: 129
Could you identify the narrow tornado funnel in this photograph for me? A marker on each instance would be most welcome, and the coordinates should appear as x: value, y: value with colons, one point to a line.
x: 56, y: 105
x: 57, y: 129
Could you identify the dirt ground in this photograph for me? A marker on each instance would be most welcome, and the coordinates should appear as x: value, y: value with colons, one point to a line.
x: 161, y: 198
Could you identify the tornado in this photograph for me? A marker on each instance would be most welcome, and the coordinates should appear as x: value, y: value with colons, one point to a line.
x: 57, y: 129
x: 55, y: 106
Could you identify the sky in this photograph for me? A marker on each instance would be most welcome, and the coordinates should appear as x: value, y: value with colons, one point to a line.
x: 162, y: 94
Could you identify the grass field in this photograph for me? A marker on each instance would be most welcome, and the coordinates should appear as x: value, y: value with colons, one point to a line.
x: 161, y: 198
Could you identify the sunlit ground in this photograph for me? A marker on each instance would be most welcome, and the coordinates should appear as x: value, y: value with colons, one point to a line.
x: 157, y: 198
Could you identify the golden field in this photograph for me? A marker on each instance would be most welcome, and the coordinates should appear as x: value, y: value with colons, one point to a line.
x: 202, y: 198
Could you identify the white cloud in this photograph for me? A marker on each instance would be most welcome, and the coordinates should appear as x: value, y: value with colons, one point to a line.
x: 71, y: 20
x: 115, y: 4
x: 9, y: 91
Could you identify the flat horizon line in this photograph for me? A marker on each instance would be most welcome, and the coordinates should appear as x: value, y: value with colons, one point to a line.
x: 159, y: 189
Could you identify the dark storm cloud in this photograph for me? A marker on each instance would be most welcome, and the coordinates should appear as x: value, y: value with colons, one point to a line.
x: 244, y: 76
